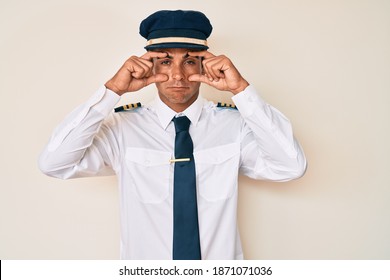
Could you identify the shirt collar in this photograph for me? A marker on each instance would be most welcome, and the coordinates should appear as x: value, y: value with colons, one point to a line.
x: 166, y: 114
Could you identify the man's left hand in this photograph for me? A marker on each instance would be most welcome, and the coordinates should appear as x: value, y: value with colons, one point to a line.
x: 219, y: 72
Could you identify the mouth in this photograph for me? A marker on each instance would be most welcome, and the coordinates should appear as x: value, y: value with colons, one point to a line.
x: 178, y: 87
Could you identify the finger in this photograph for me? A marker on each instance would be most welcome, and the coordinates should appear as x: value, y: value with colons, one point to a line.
x: 144, y: 63
x: 139, y: 68
x: 150, y: 55
x: 206, y: 69
x: 211, y: 68
x: 156, y: 79
x: 148, y: 66
x: 217, y: 68
x: 204, y: 54
x: 208, y: 57
x: 199, y: 78
x: 138, y: 71
x: 149, y: 59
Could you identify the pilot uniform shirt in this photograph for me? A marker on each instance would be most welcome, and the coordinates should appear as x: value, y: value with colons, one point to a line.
x: 137, y: 145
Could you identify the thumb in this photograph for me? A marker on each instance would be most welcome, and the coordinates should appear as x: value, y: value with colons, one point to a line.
x: 156, y: 79
x: 198, y: 78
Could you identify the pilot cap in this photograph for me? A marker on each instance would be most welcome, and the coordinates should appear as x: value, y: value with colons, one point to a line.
x: 176, y: 29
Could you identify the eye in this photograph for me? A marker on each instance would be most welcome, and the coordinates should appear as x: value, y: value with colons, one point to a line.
x: 190, y: 62
x: 165, y: 62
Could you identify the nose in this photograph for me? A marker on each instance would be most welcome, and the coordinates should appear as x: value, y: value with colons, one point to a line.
x: 177, y: 73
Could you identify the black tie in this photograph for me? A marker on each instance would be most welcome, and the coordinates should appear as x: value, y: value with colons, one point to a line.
x: 186, y: 244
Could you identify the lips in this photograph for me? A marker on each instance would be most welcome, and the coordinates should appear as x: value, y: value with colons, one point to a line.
x: 178, y: 87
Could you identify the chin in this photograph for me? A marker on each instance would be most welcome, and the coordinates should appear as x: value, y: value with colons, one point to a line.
x: 179, y: 99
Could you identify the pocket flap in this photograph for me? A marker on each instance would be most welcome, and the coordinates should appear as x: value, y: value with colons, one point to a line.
x: 147, y: 157
x: 217, y: 155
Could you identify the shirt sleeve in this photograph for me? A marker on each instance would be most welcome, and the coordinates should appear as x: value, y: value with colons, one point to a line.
x: 269, y: 149
x: 82, y: 145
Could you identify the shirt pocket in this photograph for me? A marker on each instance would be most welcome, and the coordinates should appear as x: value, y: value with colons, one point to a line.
x: 150, y: 172
x: 217, y: 171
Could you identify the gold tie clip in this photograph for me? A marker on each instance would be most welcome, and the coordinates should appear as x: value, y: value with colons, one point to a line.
x: 179, y: 160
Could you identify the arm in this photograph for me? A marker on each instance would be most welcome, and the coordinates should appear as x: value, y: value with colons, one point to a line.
x: 269, y: 150
x: 85, y: 143
x: 82, y: 145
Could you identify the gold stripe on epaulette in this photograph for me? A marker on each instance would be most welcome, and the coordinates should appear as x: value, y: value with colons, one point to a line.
x: 226, y: 105
x: 127, y: 107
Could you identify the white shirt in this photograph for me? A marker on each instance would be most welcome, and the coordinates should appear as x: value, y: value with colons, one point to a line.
x: 255, y: 140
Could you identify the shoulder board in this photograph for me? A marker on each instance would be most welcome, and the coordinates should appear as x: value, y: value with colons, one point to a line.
x: 226, y: 105
x: 128, y: 107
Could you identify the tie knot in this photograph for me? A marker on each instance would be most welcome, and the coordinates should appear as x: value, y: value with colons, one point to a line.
x: 181, y: 123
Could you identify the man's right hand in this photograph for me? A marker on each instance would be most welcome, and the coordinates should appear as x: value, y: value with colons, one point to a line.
x: 136, y: 73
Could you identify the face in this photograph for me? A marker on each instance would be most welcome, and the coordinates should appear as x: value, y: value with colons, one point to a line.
x: 177, y: 92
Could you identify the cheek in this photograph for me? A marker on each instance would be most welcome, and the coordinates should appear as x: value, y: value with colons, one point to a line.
x: 195, y: 85
x: 193, y: 69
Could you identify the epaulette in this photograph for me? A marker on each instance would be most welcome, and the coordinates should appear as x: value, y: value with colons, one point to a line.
x: 128, y: 107
x: 226, y: 105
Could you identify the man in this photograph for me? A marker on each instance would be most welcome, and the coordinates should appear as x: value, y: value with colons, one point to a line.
x: 177, y: 158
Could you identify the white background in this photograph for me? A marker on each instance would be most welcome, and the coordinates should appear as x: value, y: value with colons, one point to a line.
x: 325, y: 64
